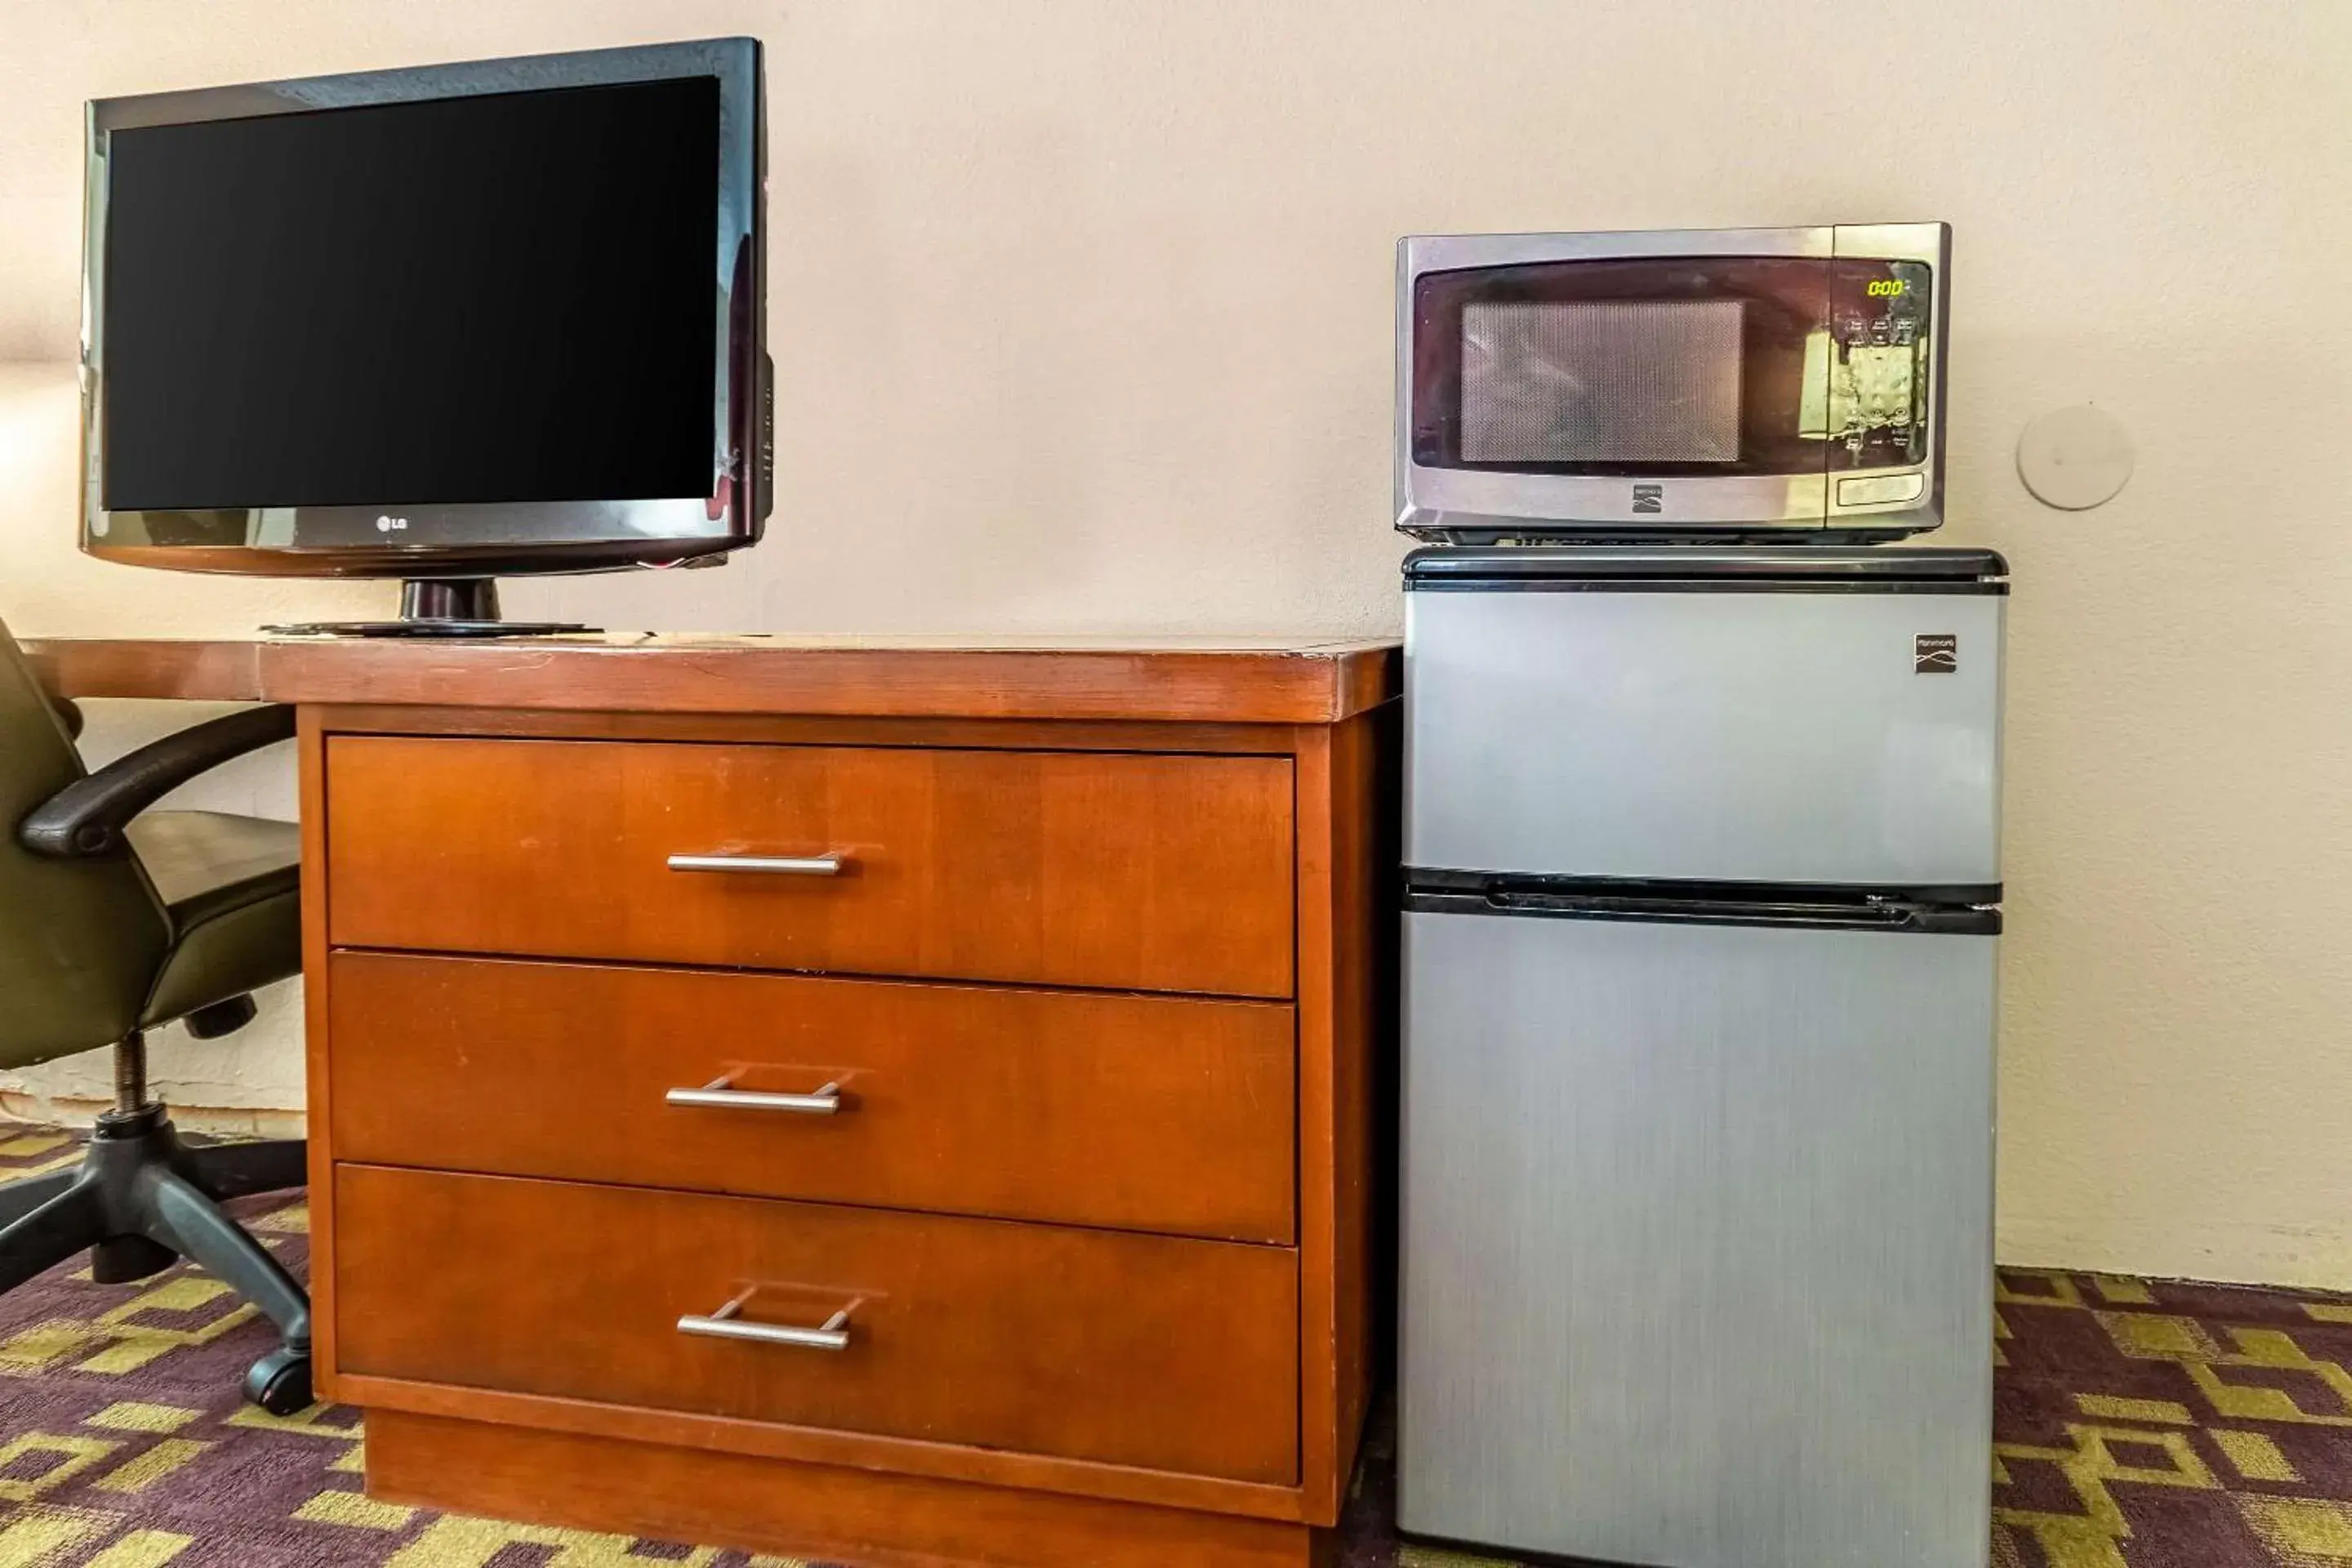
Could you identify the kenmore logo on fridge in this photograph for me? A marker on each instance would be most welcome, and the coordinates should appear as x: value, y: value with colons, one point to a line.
x: 1649, y: 498
x: 1935, y: 654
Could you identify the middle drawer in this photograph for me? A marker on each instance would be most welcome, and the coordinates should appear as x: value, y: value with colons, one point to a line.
x: 1156, y: 1113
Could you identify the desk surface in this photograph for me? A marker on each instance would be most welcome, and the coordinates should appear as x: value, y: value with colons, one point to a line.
x: 1222, y: 681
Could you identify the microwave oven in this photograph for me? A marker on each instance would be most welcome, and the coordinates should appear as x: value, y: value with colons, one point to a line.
x: 1710, y: 385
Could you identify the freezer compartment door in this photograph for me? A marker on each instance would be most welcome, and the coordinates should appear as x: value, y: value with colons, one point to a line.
x: 1698, y: 1264
x: 1819, y: 737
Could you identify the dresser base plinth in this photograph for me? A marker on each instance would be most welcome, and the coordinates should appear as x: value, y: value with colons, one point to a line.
x: 863, y: 1518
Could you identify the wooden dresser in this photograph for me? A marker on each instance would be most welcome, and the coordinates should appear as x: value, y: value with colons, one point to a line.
x: 907, y: 1105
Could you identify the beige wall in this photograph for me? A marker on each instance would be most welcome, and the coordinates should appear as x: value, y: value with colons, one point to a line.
x: 1082, y: 311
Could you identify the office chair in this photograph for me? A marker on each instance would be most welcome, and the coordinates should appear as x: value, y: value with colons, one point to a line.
x: 112, y: 923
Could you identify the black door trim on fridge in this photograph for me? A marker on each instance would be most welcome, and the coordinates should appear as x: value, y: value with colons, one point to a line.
x: 1815, y: 569
x: 1959, y: 907
x: 1887, y: 915
x: 1719, y: 585
x: 1691, y: 890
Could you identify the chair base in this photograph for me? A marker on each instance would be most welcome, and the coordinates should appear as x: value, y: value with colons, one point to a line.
x: 142, y: 1199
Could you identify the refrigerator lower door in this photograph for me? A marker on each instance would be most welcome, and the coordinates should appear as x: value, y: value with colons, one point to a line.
x: 1697, y: 1242
x: 1826, y: 734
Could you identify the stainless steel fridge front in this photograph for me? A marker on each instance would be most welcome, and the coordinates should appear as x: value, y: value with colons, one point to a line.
x: 1702, y: 852
x: 1736, y: 722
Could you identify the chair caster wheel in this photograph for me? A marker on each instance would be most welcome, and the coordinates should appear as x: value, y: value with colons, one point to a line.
x: 280, y: 1382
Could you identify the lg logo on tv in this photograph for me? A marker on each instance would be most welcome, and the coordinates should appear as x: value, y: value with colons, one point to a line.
x: 391, y: 524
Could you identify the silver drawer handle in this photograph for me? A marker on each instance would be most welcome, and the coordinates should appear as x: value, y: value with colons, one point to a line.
x: 833, y: 1334
x: 765, y: 865
x: 822, y: 1100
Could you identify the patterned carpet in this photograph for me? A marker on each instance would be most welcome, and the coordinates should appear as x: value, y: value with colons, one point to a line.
x: 2139, y: 1424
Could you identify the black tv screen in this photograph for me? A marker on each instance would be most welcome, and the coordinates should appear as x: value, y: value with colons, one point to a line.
x: 495, y: 298
x: 498, y: 315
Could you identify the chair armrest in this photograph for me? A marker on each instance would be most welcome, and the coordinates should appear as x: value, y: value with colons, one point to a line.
x: 87, y: 817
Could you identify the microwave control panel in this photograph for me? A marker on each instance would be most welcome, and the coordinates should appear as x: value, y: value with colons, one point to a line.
x: 1881, y: 320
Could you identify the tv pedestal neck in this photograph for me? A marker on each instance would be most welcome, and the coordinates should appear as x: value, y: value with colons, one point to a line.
x: 454, y: 607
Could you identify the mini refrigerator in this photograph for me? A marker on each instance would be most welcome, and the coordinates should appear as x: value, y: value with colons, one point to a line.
x: 1703, y: 878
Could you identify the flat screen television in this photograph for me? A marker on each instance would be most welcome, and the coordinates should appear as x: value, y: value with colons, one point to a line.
x: 442, y: 324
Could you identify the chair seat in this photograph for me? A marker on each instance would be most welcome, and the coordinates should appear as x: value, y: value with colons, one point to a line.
x: 232, y: 887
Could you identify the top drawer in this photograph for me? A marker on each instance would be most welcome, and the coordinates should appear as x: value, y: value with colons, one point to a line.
x: 1057, y: 868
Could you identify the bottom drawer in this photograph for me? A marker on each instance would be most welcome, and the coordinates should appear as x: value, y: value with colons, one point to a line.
x: 1135, y: 1350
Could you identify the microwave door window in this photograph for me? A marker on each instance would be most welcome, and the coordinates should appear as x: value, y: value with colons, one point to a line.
x: 1602, y: 381
x: 1624, y: 367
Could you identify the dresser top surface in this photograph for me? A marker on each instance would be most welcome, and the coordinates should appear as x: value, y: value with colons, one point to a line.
x: 1209, y: 679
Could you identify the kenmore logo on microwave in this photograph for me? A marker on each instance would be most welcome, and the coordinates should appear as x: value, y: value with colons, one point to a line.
x: 1649, y: 498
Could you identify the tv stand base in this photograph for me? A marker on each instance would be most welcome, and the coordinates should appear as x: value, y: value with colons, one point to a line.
x: 460, y: 607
